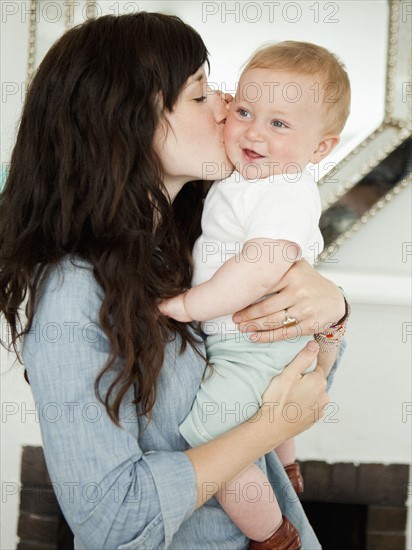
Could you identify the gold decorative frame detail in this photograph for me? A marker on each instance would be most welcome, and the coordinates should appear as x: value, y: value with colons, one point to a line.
x: 395, y: 128
x: 91, y: 11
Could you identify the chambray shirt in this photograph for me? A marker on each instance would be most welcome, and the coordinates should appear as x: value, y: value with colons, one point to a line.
x: 124, y: 487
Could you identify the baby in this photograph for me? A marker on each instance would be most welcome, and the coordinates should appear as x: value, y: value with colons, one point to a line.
x: 291, y: 104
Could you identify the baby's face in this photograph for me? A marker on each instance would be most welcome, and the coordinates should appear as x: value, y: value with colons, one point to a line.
x: 275, y: 123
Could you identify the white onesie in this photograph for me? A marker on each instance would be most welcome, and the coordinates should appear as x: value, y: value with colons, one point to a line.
x: 236, y: 211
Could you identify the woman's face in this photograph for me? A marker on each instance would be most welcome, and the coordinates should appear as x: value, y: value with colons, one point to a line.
x: 189, y: 141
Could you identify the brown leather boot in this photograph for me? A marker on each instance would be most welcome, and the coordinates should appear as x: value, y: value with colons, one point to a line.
x: 285, y: 538
x: 295, y: 476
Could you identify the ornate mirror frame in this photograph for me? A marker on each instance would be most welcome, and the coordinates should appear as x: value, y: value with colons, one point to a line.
x: 394, y: 129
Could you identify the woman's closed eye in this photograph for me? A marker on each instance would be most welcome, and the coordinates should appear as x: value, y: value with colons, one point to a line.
x: 202, y: 98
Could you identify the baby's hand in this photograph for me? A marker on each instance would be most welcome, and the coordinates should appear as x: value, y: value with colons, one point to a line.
x: 226, y: 98
x: 175, y: 308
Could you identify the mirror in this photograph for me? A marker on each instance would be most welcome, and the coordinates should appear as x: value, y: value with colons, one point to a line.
x: 362, y: 201
x: 372, y: 39
x: 233, y: 30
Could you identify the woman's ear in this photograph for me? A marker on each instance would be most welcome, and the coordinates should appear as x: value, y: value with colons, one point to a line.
x: 325, y: 147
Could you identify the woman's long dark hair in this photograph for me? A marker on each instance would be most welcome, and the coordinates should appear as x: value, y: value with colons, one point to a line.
x: 84, y: 180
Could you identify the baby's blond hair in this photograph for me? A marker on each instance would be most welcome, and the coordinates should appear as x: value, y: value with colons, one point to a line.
x: 309, y: 59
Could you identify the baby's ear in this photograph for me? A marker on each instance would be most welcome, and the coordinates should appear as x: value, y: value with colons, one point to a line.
x: 325, y: 147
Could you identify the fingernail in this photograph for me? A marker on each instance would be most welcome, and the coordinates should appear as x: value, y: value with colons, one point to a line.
x: 313, y: 346
x: 237, y: 318
x: 254, y: 337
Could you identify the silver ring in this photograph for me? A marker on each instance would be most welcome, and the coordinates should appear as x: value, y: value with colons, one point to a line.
x: 288, y: 320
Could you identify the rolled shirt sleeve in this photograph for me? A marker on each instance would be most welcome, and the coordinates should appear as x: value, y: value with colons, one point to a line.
x: 173, y: 478
x: 111, y: 493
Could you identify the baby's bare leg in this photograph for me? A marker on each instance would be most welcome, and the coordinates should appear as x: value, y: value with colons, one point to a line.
x: 286, y: 452
x: 251, y: 504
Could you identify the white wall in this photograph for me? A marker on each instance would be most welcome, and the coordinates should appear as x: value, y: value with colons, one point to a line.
x: 371, y: 415
x: 373, y: 382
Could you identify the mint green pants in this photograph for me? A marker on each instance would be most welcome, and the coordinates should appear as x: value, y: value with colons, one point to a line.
x: 232, y: 392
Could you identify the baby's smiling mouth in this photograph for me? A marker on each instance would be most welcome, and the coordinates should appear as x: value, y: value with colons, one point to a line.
x: 252, y: 155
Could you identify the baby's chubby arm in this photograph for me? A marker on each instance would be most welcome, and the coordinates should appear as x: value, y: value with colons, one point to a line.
x: 241, y: 280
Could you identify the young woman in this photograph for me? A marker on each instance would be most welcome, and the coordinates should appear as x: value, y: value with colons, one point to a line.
x: 94, y: 230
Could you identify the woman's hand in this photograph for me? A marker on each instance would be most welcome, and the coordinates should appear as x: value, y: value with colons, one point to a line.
x: 294, y: 401
x: 291, y: 404
x: 310, y: 298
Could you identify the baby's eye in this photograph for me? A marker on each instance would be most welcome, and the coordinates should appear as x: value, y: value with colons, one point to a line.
x: 200, y: 99
x: 278, y: 124
x: 243, y: 113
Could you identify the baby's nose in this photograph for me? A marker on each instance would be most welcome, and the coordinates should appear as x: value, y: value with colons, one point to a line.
x: 253, y: 132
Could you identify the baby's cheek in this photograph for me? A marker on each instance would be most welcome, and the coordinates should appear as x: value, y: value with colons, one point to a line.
x: 286, y: 147
x: 231, y: 126
x: 227, y: 132
x: 295, y: 156
x: 229, y: 136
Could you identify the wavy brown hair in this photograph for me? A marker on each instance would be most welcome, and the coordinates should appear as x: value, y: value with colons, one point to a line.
x: 84, y: 180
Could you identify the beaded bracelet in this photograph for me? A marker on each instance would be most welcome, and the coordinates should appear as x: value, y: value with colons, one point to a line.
x: 333, y: 335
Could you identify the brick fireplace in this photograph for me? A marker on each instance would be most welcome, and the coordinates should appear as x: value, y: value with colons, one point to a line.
x: 351, y: 507
x: 357, y: 507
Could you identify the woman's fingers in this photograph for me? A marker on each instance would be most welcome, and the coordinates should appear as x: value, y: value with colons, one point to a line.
x: 271, y: 310
x: 303, y: 360
x: 267, y: 308
x: 310, y: 298
x: 292, y: 373
x: 270, y: 314
x: 271, y: 328
x: 298, y: 398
